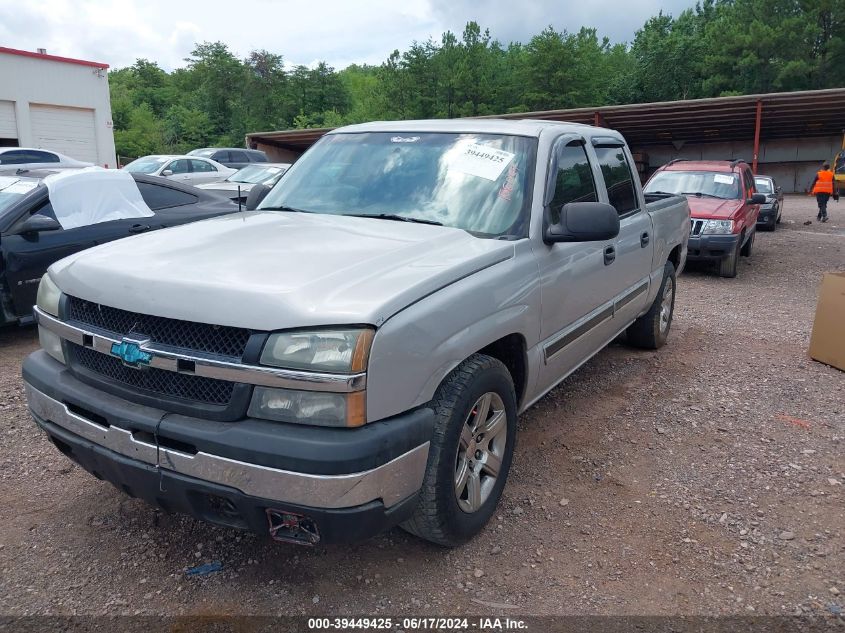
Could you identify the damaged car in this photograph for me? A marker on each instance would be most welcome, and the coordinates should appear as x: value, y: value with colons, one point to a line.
x: 45, y: 216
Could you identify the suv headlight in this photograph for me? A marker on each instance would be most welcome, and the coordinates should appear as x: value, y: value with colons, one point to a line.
x: 331, y: 350
x: 48, y: 301
x: 718, y: 227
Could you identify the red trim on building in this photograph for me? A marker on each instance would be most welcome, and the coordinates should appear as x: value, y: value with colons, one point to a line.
x: 52, y: 58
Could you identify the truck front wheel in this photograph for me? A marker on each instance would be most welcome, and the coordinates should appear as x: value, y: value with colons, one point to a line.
x: 470, y: 453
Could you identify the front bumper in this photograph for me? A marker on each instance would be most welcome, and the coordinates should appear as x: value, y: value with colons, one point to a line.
x: 350, y: 483
x: 711, y: 247
x: 768, y: 215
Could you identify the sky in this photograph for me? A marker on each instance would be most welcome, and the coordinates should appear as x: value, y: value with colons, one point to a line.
x: 340, y: 32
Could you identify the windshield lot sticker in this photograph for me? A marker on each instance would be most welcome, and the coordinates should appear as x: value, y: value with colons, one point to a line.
x: 506, y: 192
x: 484, y: 162
x: 404, y: 139
x: 725, y: 180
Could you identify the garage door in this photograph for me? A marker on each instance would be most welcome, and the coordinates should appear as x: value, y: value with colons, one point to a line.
x: 8, y: 127
x: 69, y: 131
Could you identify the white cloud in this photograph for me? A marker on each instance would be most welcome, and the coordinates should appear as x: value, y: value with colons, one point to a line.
x: 340, y: 32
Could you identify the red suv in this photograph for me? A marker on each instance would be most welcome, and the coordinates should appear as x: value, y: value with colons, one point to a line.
x: 723, y: 205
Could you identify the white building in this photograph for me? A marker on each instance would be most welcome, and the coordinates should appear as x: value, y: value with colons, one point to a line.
x: 56, y: 103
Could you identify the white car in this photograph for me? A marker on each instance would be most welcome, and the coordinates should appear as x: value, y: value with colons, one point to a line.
x: 191, y: 170
x: 32, y: 158
x: 245, y: 179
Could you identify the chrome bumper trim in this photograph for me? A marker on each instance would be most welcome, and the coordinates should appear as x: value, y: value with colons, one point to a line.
x: 208, y: 367
x: 392, y: 482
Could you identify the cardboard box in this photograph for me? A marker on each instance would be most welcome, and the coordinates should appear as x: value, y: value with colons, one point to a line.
x: 827, y: 343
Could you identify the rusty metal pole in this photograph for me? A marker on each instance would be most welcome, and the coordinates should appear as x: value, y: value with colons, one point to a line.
x: 757, y: 136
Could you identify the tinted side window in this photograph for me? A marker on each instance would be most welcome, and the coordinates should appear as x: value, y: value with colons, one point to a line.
x: 257, y: 157
x: 238, y: 157
x: 750, y: 187
x: 574, y: 179
x: 221, y: 156
x: 178, y: 166
x: 201, y: 165
x: 618, y: 178
x: 44, y: 157
x: 158, y: 197
x: 14, y: 158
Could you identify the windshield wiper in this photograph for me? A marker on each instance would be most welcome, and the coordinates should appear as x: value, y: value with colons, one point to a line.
x: 283, y: 208
x: 701, y: 193
x: 393, y: 216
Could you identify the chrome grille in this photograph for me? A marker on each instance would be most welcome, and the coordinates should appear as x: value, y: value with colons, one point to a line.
x: 695, y: 226
x: 187, y: 335
x: 159, y: 381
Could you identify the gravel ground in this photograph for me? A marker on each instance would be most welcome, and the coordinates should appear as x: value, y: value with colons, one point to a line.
x: 706, y: 478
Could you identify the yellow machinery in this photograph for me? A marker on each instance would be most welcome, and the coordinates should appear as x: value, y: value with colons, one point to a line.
x: 838, y: 165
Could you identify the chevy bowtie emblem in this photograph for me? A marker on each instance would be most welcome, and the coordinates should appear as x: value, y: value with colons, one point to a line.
x: 130, y: 353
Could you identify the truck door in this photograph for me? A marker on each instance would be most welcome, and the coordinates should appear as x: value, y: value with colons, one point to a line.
x: 578, y: 281
x: 634, y: 245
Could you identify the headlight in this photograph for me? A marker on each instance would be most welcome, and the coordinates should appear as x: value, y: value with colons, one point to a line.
x: 340, y: 351
x: 309, y: 407
x: 48, y: 295
x: 718, y: 227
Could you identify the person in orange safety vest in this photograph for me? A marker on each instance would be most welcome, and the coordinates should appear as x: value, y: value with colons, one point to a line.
x: 823, y: 189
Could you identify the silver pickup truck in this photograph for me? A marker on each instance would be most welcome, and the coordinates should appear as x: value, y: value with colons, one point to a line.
x: 353, y: 354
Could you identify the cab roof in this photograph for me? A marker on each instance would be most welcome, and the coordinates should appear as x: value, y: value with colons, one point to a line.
x: 522, y: 127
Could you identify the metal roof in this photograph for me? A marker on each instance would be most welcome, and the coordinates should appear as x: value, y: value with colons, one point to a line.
x: 783, y: 115
x: 52, y: 58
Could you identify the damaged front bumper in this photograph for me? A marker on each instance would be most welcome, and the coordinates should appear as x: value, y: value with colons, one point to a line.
x: 350, y: 484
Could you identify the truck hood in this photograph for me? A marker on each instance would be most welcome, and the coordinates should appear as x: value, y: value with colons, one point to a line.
x: 269, y: 270
x: 713, y: 208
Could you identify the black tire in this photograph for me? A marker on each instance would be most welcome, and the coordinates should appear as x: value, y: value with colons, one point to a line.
x: 745, y: 251
x: 649, y: 331
x: 727, y: 267
x: 438, y: 517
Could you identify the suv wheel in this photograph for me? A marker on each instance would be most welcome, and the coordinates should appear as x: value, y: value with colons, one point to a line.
x: 651, y: 330
x: 470, y: 453
x: 749, y: 244
x: 727, y: 267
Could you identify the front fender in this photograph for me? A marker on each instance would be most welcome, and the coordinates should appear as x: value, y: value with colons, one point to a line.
x: 417, y: 348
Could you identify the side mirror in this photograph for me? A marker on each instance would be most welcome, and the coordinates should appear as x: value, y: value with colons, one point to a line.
x: 582, y: 222
x: 37, y: 223
x: 167, y: 172
x: 256, y: 195
x: 757, y: 198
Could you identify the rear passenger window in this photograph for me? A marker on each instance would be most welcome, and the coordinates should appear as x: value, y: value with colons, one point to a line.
x: 201, y: 165
x: 238, y: 157
x: 574, y: 179
x: 158, y: 197
x: 618, y: 178
x: 22, y: 156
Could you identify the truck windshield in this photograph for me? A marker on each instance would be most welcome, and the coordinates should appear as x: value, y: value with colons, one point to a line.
x: 476, y: 182
x: 705, y: 183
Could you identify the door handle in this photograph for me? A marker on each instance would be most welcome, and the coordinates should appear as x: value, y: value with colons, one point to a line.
x: 609, y: 255
x: 139, y: 228
x: 644, y: 239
